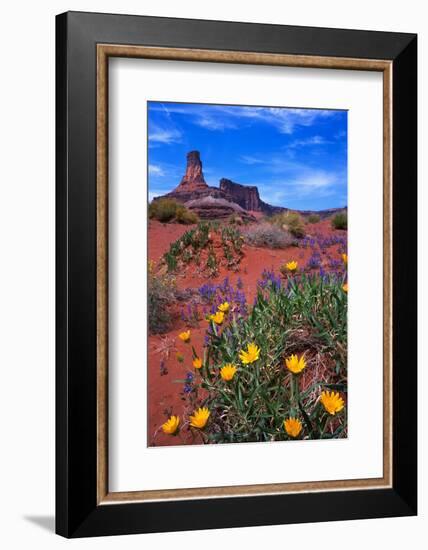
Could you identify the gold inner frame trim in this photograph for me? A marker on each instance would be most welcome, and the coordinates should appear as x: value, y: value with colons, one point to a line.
x: 104, y: 51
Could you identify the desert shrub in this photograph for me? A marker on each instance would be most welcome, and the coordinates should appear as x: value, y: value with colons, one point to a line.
x: 161, y: 294
x: 197, y: 245
x: 257, y: 391
x: 235, y: 219
x: 340, y: 221
x: 186, y: 216
x: 291, y: 221
x: 163, y: 210
x: 268, y: 235
x: 313, y: 218
x: 167, y: 210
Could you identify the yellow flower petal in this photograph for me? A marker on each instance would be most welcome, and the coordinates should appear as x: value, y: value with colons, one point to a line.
x: 293, y: 426
x: 185, y: 336
x: 228, y: 372
x: 171, y: 425
x: 197, y: 362
x: 294, y: 364
x: 224, y: 307
x: 217, y: 317
x: 332, y: 402
x: 199, y: 418
x: 251, y: 355
x: 291, y: 266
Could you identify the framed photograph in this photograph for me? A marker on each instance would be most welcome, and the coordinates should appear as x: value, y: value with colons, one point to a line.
x: 236, y: 274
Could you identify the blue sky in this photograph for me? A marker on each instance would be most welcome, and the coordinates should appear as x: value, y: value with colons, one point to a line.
x: 296, y: 157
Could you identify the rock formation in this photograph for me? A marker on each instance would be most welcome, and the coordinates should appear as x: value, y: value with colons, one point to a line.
x: 247, y: 196
x: 193, y: 179
x: 221, y: 202
x: 215, y: 208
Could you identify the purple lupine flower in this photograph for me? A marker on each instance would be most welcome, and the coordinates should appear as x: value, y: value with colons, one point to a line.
x: 314, y: 261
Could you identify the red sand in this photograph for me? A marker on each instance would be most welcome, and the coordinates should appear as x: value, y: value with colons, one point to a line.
x: 164, y: 393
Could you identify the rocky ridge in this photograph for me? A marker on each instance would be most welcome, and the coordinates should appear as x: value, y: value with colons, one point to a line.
x: 230, y: 198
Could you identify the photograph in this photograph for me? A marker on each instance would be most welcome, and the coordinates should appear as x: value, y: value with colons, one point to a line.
x: 247, y: 273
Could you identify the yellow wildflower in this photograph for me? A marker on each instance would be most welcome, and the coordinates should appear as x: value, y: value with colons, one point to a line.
x: 345, y: 287
x: 228, y: 372
x: 345, y: 259
x: 224, y: 307
x: 251, y: 355
x: 291, y: 266
x: 171, y: 425
x: 199, y: 418
x: 185, y: 336
x: 218, y: 317
x: 197, y: 362
x: 293, y: 426
x: 294, y: 364
x: 332, y: 402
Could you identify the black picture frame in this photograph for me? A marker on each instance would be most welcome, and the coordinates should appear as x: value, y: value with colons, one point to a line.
x: 77, y: 512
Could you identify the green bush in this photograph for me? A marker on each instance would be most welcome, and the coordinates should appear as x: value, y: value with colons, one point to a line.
x: 185, y: 216
x: 268, y: 235
x: 313, y: 218
x: 307, y: 317
x: 167, y: 210
x: 340, y: 221
x: 163, y: 210
x: 291, y: 221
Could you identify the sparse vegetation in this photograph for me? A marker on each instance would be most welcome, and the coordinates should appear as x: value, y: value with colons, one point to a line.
x: 268, y: 235
x: 161, y: 294
x: 313, y: 218
x: 340, y: 221
x: 168, y: 210
x: 291, y: 221
x: 201, y: 246
x: 235, y: 219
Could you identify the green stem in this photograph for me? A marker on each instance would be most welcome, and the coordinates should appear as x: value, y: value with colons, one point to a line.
x: 295, y: 392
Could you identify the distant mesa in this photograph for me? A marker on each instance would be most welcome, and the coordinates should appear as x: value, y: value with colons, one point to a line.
x: 220, y: 202
x: 247, y: 196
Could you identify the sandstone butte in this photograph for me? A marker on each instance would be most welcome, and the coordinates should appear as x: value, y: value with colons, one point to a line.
x: 223, y: 201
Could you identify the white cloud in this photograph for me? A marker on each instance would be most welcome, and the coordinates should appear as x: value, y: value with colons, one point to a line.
x: 300, y: 183
x: 285, y: 120
x: 314, y: 182
x: 247, y: 159
x: 214, y: 123
x: 221, y: 117
x: 164, y: 135
x: 313, y: 140
x: 156, y: 170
